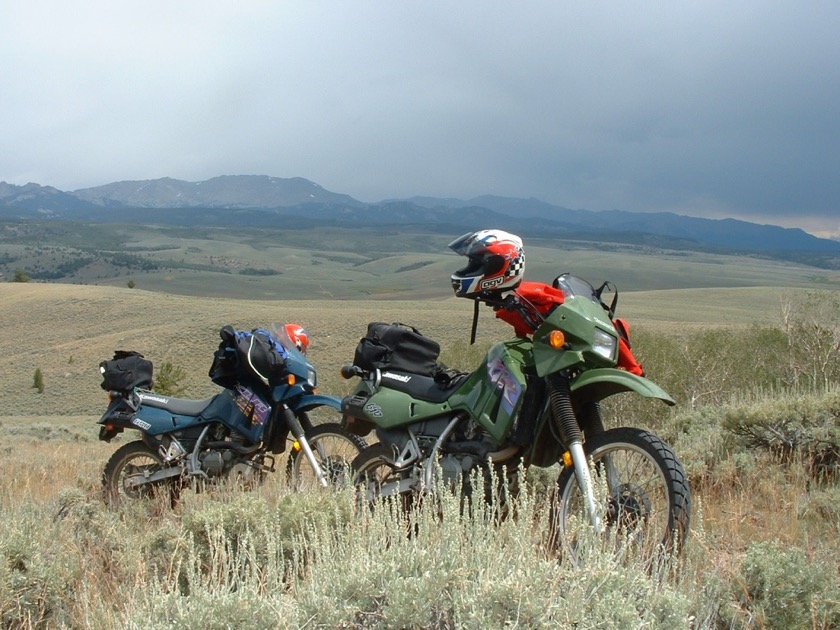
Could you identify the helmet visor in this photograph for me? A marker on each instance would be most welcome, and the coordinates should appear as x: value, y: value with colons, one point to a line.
x: 463, y: 244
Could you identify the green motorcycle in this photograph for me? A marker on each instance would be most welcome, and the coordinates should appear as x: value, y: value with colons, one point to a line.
x: 533, y: 401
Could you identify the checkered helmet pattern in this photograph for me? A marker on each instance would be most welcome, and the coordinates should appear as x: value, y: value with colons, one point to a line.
x: 496, y: 262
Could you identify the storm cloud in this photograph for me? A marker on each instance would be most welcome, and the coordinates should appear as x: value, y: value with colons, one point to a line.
x: 708, y: 109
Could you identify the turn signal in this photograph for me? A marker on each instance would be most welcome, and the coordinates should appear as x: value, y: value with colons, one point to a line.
x: 556, y: 339
x: 567, y: 459
x: 291, y: 379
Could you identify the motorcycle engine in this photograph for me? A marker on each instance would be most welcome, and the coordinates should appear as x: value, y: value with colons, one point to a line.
x: 214, y: 462
x: 243, y: 473
x: 219, y: 461
x: 225, y: 462
x: 456, y: 467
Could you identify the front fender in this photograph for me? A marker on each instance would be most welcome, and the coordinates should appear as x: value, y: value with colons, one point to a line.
x: 600, y: 383
x: 310, y: 401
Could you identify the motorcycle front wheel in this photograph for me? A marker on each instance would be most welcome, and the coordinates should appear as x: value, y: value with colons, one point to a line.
x: 334, y: 448
x: 641, y: 488
x: 132, y: 462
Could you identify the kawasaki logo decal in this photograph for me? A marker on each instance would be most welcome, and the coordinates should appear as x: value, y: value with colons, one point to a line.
x: 402, y: 378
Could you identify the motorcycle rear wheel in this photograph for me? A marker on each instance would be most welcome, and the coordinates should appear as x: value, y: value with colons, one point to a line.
x: 374, y: 475
x: 128, y: 461
x: 643, y: 490
x: 334, y: 447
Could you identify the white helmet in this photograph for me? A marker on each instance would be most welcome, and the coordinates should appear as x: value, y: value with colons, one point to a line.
x: 497, y: 262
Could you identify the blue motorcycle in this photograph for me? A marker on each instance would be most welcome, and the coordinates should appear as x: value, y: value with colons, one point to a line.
x: 268, y: 393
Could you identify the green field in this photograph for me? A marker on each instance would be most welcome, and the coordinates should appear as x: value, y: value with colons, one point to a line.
x: 349, y: 263
x: 65, y: 330
x: 748, y: 348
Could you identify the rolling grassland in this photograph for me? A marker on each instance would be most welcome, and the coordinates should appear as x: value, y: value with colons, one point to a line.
x: 763, y: 551
x: 350, y: 263
x: 66, y: 330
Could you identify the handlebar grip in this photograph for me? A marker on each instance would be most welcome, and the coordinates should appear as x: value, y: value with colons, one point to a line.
x: 349, y: 371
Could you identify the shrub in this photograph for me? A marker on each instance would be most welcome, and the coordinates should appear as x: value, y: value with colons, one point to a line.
x: 698, y: 438
x: 168, y: 380
x: 779, y: 586
x: 709, y: 367
x: 812, y: 329
x: 38, y: 381
x: 35, y: 579
x: 788, y: 424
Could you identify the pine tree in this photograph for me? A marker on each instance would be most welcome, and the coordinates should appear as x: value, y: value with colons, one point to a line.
x: 38, y: 381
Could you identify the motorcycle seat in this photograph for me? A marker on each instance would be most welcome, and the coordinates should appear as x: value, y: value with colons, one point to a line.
x: 424, y: 388
x: 178, y: 406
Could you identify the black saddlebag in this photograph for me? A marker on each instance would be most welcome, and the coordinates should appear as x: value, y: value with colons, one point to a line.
x: 127, y: 370
x: 397, y: 347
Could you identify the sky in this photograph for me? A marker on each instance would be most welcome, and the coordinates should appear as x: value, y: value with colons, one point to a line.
x: 711, y: 108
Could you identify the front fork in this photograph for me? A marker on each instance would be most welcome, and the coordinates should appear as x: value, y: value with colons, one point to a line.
x: 299, y: 434
x: 563, y: 416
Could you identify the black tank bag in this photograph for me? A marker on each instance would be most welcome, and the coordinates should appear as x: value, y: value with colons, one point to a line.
x: 397, y: 347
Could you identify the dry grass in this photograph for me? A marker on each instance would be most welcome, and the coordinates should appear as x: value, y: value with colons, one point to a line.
x: 51, y: 463
x: 66, y: 330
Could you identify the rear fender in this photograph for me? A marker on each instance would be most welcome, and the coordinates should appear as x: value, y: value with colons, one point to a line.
x: 600, y: 383
x: 116, y: 419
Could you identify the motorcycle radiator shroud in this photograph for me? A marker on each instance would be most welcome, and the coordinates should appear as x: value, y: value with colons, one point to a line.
x: 493, y: 395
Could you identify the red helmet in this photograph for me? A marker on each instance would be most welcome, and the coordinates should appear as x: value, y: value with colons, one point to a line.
x: 497, y: 262
x: 298, y: 336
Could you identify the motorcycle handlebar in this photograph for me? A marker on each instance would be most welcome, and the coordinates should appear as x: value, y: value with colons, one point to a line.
x: 349, y: 371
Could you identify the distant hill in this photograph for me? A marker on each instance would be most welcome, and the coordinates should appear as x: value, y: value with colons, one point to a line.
x: 227, y: 191
x: 35, y: 201
x: 261, y: 201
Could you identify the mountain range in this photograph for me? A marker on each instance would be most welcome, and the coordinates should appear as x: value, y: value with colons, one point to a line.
x: 264, y: 201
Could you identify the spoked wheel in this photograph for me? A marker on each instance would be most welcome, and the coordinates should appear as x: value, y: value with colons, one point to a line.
x: 641, y: 487
x: 374, y: 476
x: 125, y: 471
x: 334, y: 448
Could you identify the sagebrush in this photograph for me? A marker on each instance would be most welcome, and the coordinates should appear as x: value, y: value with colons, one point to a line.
x: 755, y: 426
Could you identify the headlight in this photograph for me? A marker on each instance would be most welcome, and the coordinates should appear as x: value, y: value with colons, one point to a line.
x: 311, y: 378
x: 604, y: 344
